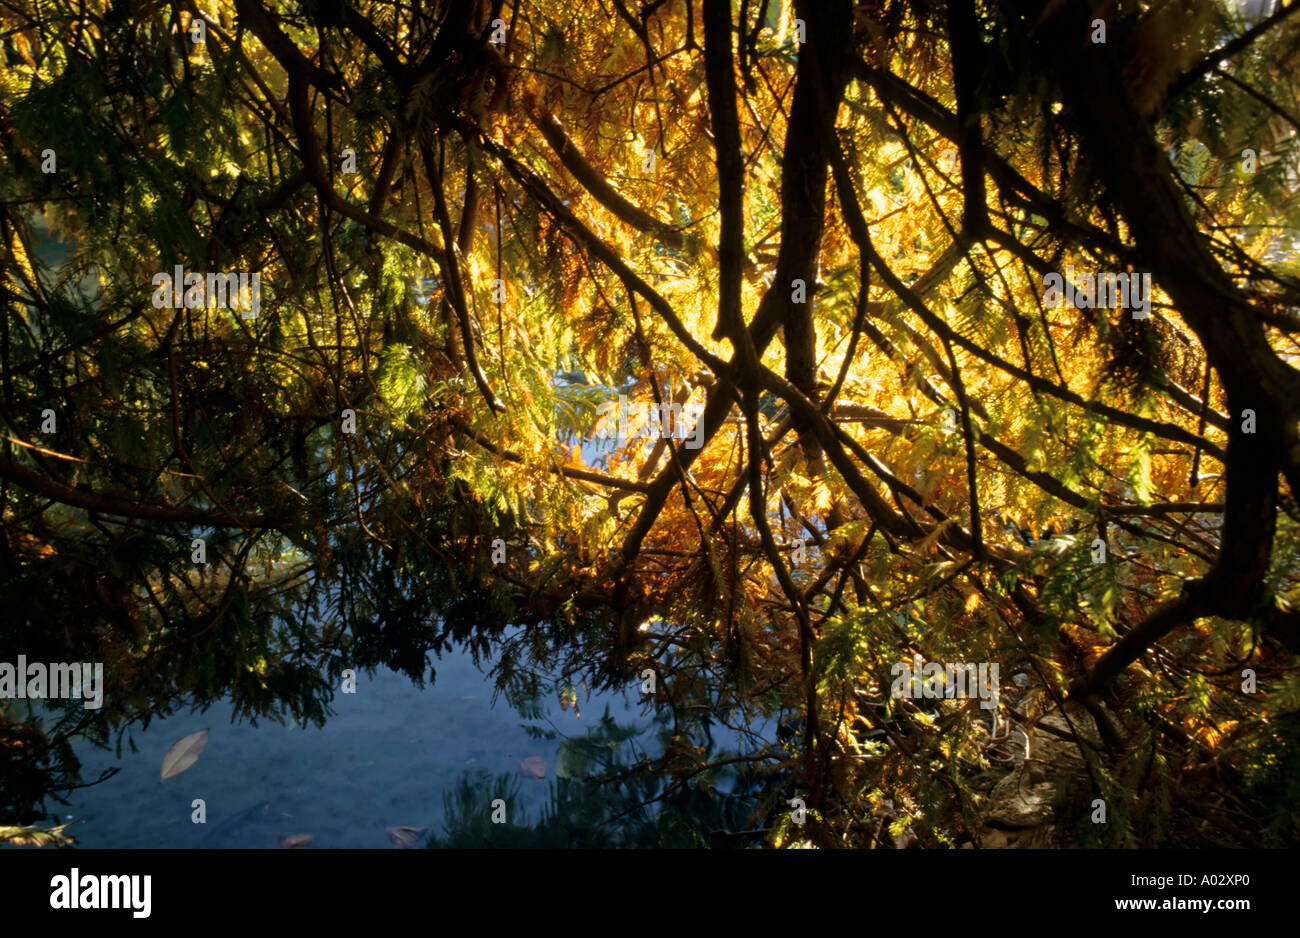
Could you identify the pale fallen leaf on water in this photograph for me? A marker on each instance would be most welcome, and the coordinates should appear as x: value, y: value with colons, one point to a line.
x: 534, y: 767
x: 183, y: 754
x: 405, y: 837
x: 289, y: 841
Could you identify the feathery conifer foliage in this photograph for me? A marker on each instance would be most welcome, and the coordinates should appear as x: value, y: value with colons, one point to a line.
x: 828, y: 228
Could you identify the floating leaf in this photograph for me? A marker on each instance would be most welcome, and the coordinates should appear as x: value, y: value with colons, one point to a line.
x: 405, y: 837
x: 289, y: 841
x: 183, y: 754
x: 533, y: 767
x: 38, y: 836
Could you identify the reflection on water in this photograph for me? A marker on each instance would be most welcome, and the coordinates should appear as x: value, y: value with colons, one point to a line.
x: 384, y: 760
x: 394, y: 755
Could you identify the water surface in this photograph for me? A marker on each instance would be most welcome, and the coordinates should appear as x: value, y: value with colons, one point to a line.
x: 384, y: 759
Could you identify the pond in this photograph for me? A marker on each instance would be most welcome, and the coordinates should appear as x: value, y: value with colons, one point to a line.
x: 385, y: 759
x: 430, y: 759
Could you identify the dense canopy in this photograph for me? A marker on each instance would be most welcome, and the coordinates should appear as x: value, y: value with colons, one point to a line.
x: 759, y: 345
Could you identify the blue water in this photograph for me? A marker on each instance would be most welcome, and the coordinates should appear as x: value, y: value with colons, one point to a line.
x: 383, y: 760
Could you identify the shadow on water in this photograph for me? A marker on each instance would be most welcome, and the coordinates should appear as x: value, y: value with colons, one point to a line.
x: 433, y: 760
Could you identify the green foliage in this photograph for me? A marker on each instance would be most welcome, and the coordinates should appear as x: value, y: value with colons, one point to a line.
x: 331, y: 546
x: 400, y: 380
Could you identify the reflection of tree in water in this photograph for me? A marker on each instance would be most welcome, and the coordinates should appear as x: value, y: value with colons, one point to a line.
x: 607, y: 797
x: 37, y: 764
